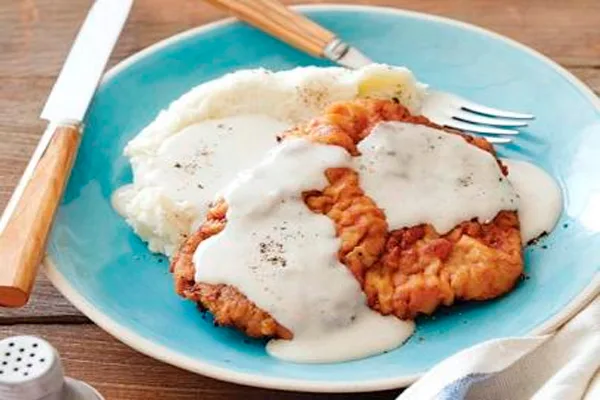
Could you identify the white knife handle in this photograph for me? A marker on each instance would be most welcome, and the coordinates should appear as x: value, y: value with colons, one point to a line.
x: 274, y: 18
x: 26, y: 227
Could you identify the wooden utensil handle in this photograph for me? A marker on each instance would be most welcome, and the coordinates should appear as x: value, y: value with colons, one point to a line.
x: 276, y: 19
x: 23, y: 240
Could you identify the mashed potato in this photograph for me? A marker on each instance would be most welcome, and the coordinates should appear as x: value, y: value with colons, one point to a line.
x: 205, y: 138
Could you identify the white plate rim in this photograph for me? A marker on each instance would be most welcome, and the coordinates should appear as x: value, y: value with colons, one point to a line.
x: 162, y: 353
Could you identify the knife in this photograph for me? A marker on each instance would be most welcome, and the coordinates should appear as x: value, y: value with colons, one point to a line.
x: 27, y: 219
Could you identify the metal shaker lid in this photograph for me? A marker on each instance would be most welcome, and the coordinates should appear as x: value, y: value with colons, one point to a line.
x: 30, y: 369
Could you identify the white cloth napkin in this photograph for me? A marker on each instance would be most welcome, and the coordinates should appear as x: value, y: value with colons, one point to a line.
x: 562, y: 366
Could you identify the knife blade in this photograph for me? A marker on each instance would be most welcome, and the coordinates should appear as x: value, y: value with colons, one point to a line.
x: 26, y: 221
x: 86, y: 61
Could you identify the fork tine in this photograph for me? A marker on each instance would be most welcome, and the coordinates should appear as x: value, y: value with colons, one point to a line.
x: 488, y: 130
x: 494, y: 112
x: 480, y: 119
x: 498, y: 140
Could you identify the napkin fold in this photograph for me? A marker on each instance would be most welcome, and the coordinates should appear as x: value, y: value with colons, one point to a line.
x: 564, y: 365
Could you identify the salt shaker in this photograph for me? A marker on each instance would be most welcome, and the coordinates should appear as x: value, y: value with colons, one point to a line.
x: 30, y: 369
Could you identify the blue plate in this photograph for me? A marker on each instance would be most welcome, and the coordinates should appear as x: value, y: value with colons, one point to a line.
x: 105, y: 270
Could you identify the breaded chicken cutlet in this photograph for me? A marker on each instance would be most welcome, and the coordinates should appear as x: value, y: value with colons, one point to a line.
x: 403, y: 272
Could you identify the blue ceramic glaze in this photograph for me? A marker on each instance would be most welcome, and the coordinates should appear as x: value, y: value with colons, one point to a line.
x: 108, y: 272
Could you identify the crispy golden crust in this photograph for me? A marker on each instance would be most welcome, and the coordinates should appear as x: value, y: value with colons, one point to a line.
x: 421, y: 270
x: 404, y: 272
x: 228, y: 306
x: 359, y: 223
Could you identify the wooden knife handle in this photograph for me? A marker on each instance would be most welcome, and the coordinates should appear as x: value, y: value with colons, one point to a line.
x: 23, y: 240
x: 273, y: 17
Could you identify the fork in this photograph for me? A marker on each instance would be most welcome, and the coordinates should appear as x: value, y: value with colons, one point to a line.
x: 446, y: 109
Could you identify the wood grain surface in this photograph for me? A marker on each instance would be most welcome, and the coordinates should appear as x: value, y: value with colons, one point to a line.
x: 35, y: 36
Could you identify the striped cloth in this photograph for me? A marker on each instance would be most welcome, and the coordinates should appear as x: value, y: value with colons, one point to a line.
x: 562, y: 366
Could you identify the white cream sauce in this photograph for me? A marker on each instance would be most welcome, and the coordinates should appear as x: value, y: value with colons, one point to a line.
x: 540, y: 199
x: 418, y: 174
x: 203, y: 158
x: 173, y: 189
x: 283, y: 257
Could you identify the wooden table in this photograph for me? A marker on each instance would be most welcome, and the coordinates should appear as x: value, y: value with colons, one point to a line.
x: 35, y: 36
